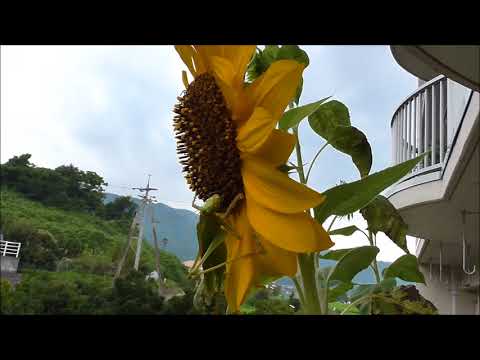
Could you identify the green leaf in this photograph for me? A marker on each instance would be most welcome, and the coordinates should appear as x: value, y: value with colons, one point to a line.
x: 405, y: 268
x: 293, y: 52
x: 382, y: 216
x: 345, y: 231
x: 365, y: 309
x: 332, y: 122
x: 386, y: 285
x: 353, y: 142
x: 412, y: 302
x: 352, y: 263
x: 293, y: 116
x: 208, y: 230
x: 264, y: 58
x: 323, y: 272
x: 361, y: 291
x: 330, y: 115
x: 347, y: 198
x: 382, y: 304
x: 334, y: 254
x: 298, y: 92
x: 271, y: 52
x: 337, y: 289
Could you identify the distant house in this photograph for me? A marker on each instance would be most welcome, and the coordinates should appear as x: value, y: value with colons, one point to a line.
x: 189, y: 264
x: 9, y: 258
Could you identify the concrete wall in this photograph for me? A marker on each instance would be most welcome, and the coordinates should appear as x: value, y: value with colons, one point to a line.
x: 457, y: 99
x: 448, y: 299
x: 8, y: 263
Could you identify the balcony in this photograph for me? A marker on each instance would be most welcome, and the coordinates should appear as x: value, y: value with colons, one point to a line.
x: 420, y: 125
x: 440, y: 198
x: 440, y: 119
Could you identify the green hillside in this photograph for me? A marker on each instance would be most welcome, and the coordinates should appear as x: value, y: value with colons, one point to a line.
x: 75, y: 233
x: 75, y: 254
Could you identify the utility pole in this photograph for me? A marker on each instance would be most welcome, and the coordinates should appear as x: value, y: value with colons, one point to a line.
x: 161, y: 288
x: 145, y: 202
x: 138, y: 220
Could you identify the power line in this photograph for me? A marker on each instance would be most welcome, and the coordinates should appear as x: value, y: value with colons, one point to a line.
x: 169, y: 200
x: 138, y: 221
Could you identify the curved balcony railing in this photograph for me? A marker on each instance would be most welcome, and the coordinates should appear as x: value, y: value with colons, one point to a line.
x: 420, y: 125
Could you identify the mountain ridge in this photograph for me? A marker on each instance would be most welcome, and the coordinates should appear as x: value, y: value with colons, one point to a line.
x: 178, y: 226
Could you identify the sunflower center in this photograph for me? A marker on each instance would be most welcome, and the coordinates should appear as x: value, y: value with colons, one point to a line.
x: 206, y: 141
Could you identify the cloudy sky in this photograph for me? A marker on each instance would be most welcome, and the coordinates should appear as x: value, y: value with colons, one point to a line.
x: 108, y: 109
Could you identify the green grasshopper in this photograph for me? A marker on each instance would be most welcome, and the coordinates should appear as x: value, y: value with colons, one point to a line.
x: 210, y: 212
x: 212, y: 230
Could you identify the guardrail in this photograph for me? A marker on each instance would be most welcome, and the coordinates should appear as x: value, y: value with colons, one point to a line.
x: 420, y: 125
x: 9, y: 248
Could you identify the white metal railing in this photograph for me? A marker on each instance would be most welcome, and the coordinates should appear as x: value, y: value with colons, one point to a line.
x: 420, y: 125
x: 9, y: 248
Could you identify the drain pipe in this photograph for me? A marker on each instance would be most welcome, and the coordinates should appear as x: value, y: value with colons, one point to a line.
x: 477, y: 312
x: 453, y: 292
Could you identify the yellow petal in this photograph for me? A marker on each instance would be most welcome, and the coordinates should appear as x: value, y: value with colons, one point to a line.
x: 206, y: 52
x: 224, y: 74
x: 274, y: 190
x: 240, y: 272
x: 236, y: 102
x: 239, y: 56
x: 251, y: 260
x: 222, y: 69
x: 186, y: 53
x: 294, y: 232
x: 274, y: 89
x: 185, y: 79
x: 276, y: 149
x: 275, y: 261
x: 255, y: 131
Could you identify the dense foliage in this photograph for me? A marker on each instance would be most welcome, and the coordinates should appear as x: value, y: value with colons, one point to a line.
x: 65, y: 187
x: 57, y: 293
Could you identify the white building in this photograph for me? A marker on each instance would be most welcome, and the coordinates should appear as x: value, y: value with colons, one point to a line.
x: 440, y: 198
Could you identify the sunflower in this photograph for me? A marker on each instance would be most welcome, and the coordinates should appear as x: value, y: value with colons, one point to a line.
x: 228, y: 144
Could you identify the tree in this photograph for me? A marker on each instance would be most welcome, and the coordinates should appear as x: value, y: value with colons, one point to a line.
x: 121, y: 208
x: 67, y: 186
x: 85, y: 187
x: 6, y: 296
x: 135, y: 295
x: 39, y: 247
x: 20, y: 161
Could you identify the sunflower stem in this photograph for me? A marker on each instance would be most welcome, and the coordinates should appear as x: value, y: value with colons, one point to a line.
x: 309, y: 282
x: 298, y: 150
x: 331, y: 224
x: 374, y: 262
x: 299, y: 291
x: 306, y: 262
x: 315, y: 158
